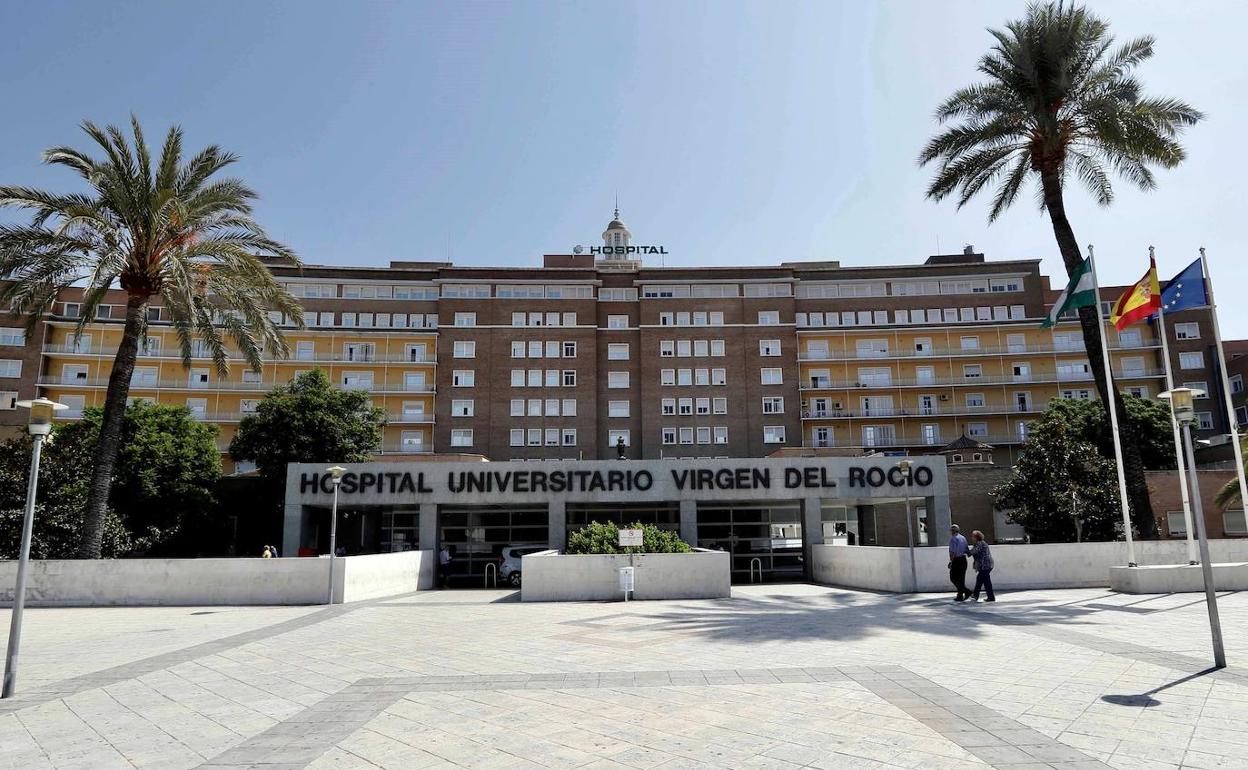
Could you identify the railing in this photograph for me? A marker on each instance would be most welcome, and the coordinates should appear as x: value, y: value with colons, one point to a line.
x: 902, y: 441
x: 820, y: 383
x: 317, y: 357
x: 405, y: 449
x: 145, y: 384
x: 836, y: 355
x: 918, y: 411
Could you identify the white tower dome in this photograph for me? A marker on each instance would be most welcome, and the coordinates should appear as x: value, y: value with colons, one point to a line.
x: 614, y: 236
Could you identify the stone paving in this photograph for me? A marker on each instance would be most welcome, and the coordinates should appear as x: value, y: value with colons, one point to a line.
x: 777, y: 677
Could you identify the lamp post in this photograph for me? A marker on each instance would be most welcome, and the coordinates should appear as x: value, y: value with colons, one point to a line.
x: 39, y: 425
x: 335, y: 478
x: 904, y: 465
x: 1181, y: 403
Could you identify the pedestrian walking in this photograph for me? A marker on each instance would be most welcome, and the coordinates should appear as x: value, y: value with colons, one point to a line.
x: 982, y: 555
x: 957, y: 562
x: 444, y: 565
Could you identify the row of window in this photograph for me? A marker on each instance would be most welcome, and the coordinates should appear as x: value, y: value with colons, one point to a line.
x: 717, y: 434
x: 538, y: 407
x: 547, y: 349
x: 681, y: 377
x: 691, y: 348
x: 549, y: 378
x: 930, y: 316
x: 688, y: 407
x: 809, y: 290
x: 542, y: 437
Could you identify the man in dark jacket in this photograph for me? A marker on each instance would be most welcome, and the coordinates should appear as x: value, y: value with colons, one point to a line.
x: 957, y: 562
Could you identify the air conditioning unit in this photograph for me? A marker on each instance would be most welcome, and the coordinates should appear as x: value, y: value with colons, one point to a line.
x: 836, y: 404
x: 944, y: 396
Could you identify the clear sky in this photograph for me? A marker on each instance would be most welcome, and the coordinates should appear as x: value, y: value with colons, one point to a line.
x: 494, y: 132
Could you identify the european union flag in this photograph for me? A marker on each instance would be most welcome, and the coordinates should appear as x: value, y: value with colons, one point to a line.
x: 1187, y: 289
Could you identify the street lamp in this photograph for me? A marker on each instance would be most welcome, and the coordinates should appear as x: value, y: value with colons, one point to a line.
x: 39, y: 425
x: 904, y: 465
x: 335, y: 478
x: 1181, y: 403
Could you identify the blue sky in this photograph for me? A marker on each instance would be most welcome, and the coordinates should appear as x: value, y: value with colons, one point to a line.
x: 493, y: 132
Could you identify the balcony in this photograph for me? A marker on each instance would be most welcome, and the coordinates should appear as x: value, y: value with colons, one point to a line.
x: 314, y: 358
x: 218, y: 385
x: 405, y: 449
x: 920, y: 443
x: 921, y: 412
x: 983, y: 350
x: 824, y: 383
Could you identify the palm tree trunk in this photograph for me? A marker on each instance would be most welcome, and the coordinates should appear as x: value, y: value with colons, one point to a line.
x: 110, y: 429
x: 1090, y: 321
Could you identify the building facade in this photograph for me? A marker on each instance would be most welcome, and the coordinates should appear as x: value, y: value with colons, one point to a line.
x: 596, y: 354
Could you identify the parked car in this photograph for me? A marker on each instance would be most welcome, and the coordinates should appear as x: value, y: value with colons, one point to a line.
x: 509, y: 561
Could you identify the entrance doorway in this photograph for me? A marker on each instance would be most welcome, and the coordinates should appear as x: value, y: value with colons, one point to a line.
x: 477, y: 534
x: 764, y: 539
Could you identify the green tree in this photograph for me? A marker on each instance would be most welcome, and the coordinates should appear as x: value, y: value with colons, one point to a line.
x: 1060, y: 103
x: 162, y: 489
x: 160, y: 228
x: 1229, y: 494
x: 1062, y: 488
x: 307, y: 420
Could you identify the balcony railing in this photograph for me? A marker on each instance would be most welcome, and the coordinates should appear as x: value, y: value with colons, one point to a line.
x: 838, y: 355
x: 405, y: 449
x: 919, y: 442
x: 393, y: 418
x: 922, y: 412
x: 823, y: 383
x: 294, y: 357
x: 148, y: 384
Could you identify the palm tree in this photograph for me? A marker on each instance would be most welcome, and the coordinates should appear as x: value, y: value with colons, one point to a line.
x: 1229, y: 493
x: 167, y: 230
x: 1058, y: 103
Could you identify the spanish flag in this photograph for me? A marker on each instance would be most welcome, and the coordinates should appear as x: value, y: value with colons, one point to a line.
x: 1138, y: 302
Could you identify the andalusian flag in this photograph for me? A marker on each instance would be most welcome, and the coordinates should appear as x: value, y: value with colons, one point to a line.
x: 1138, y: 302
x: 1080, y: 292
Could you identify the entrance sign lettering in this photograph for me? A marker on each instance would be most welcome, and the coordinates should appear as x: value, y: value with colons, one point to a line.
x: 619, y: 480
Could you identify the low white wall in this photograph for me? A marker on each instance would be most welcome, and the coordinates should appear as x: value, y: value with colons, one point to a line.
x: 1054, y: 565
x: 194, y: 582
x: 1173, y: 579
x: 382, y: 574
x: 552, y: 577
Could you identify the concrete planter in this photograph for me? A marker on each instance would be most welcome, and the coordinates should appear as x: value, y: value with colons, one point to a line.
x: 1177, y: 578
x: 553, y: 577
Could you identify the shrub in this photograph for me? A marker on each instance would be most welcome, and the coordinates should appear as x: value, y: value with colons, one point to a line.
x: 604, y: 538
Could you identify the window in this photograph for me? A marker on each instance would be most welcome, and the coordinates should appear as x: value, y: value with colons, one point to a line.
x: 717, y: 348
x: 667, y: 376
x: 1176, y: 523
x: 773, y: 405
x: 552, y: 437
x: 970, y: 343
x: 617, y: 408
x: 359, y: 351
x: 700, y: 349
x: 721, y: 434
x: 719, y: 405
x: 199, y: 378
x: 617, y: 322
x: 569, y: 407
x: 12, y: 336
x: 686, y: 435
x: 569, y: 436
x: 702, y: 406
x: 517, y: 437
x: 704, y: 435
x: 517, y: 349
x: 461, y: 437
x: 1187, y: 331
x: 552, y: 378
x: 717, y: 318
x: 465, y: 319
x: 684, y: 407
x: 517, y: 378
x: 1233, y: 523
x: 251, y: 375
x: 536, y: 348
x: 8, y: 400
x: 1202, y: 387
x: 569, y: 350
x: 533, y: 436
x: 669, y: 436
x: 773, y: 434
x: 72, y: 309
x: 13, y: 368
x: 305, y: 351
x: 769, y: 348
x: 871, y: 348
x: 617, y: 379
x: 684, y: 376
x: 974, y: 400
x: 773, y: 376
x: 1204, y: 420
x: 463, y: 378
x: 1241, y: 415
x: 413, y: 381
x: 517, y: 407
x: 667, y: 348
x: 569, y: 378
x: 1237, y: 383
x: 768, y: 317
x: 972, y: 371
x: 668, y: 406
x: 198, y: 407
x: 701, y: 377
x: 1192, y: 360
x: 350, y: 380
x: 462, y: 408
x: 977, y: 429
x: 616, y: 351
x: 465, y: 349
x: 614, y: 436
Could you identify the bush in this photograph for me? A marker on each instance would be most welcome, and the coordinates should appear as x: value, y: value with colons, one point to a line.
x: 600, y: 538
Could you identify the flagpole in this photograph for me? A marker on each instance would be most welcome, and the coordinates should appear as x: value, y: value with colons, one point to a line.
x: 1180, y: 462
x: 1226, y: 383
x: 1113, y: 416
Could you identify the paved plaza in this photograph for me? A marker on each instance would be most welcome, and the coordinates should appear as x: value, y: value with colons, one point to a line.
x: 777, y: 677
